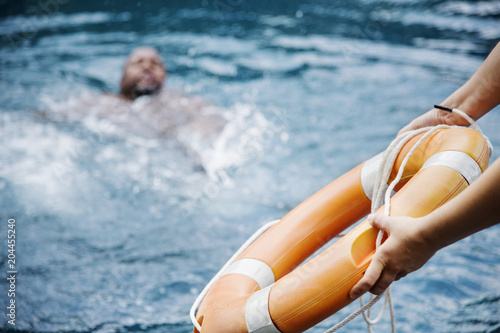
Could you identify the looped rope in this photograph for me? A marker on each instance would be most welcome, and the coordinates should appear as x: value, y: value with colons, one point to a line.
x: 476, y: 127
x: 382, y: 195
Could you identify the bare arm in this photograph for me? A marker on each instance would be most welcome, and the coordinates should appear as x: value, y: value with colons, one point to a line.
x: 476, y: 97
x: 413, y: 241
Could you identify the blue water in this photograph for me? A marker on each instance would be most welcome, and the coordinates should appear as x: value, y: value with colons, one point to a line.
x: 119, y: 227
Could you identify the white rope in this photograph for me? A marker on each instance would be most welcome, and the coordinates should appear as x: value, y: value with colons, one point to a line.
x: 380, y: 189
x: 475, y: 126
x: 197, y: 302
x: 382, y: 194
x: 354, y: 315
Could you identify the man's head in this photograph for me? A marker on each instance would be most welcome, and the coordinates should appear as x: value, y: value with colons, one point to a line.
x: 143, y: 74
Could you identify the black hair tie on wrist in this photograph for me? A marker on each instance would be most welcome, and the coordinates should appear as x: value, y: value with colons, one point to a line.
x: 442, y: 107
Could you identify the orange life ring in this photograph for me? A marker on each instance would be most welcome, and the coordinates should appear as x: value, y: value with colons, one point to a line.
x: 263, y: 292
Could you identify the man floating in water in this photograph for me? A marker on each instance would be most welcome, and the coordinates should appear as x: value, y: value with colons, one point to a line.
x: 154, y: 110
x: 144, y: 108
x: 148, y: 107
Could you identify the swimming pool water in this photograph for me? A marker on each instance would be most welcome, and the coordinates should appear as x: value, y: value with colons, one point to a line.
x: 118, y: 229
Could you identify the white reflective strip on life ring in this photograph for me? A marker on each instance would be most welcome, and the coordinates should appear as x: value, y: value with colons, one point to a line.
x: 255, y: 269
x: 369, y: 172
x: 257, y: 317
x: 458, y: 161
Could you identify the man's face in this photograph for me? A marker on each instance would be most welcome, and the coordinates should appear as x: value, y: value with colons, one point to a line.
x: 143, y: 74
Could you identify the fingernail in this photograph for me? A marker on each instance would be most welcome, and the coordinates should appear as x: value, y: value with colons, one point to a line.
x: 353, y: 295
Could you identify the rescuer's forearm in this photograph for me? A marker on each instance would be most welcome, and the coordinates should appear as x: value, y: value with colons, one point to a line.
x: 475, y: 209
x: 480, y: 93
